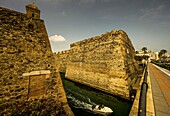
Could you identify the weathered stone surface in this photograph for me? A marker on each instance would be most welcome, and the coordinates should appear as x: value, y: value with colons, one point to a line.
x: 27, y: 66
x: 104, y: 62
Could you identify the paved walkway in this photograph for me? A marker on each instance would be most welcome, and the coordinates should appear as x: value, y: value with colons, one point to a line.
x: 160, y: 83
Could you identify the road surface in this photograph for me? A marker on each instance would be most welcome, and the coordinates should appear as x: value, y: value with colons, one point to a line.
x: 160, y: 84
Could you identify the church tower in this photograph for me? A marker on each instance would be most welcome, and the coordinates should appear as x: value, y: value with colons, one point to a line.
x: 33, y: 11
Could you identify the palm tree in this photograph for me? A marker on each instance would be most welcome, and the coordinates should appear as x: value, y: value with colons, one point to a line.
x: 162, y: 54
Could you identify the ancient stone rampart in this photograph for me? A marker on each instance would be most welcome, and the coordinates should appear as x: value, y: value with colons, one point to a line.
x: 104, y: 62
x: 62, y: 58
x: 28, y: 72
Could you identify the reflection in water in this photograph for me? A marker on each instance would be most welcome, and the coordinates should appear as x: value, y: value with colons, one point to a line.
x: 80, y: 97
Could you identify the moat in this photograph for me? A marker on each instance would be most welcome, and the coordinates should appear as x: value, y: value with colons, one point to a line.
x: 82, y: 93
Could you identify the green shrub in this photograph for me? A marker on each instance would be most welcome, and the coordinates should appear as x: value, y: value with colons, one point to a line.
x: 163, y: 65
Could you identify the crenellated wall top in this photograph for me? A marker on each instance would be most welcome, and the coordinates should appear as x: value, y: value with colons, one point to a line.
x: 63, y: 52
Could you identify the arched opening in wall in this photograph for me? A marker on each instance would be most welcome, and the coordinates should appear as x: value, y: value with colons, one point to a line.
x: 33, y: 15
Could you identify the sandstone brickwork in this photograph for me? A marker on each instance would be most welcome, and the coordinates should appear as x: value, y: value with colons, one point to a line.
x: 28, y: 71
x: 104, y: 62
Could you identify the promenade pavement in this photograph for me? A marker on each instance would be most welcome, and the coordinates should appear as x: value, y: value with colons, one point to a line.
x: 160, y: 84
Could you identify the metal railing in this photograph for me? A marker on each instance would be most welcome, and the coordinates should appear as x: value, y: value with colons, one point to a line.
x: 143, y: 92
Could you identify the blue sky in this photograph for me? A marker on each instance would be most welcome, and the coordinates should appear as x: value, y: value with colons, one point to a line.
x: 147, y: 22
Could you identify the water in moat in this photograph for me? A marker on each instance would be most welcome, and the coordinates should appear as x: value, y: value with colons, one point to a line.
x: 79, y: 96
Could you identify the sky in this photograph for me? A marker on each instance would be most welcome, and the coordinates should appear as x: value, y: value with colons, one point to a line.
x: 146, y: 22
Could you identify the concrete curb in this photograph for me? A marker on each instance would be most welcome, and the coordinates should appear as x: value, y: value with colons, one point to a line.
x: 150, y: 110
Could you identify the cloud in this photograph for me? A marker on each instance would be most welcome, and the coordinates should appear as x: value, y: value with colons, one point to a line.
x: 57, y: 38
x: 151, y: 12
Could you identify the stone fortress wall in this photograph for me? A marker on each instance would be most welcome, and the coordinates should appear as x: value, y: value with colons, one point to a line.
x: 27, y: 66
x: 103, y: 62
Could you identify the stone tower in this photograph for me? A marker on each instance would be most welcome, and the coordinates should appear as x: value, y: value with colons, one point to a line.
x: 25, y: 48
x: 33, y: 11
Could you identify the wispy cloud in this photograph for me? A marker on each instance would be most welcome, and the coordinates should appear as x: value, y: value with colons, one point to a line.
x: 151, y: 12
x: 57, y: 38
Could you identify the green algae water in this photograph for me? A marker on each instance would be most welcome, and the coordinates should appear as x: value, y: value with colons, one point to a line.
x: 84, y: 93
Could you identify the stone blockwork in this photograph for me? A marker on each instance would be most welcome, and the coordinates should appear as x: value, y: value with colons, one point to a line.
x: 25, y: 50
x: 104, y: 62
x: 62, y: 58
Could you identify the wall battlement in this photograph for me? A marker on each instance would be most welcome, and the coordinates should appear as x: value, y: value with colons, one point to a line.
x: 63, y: 52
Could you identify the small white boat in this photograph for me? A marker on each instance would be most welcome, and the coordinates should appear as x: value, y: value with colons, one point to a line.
x: 90, y: 107
x: 99, y: 109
